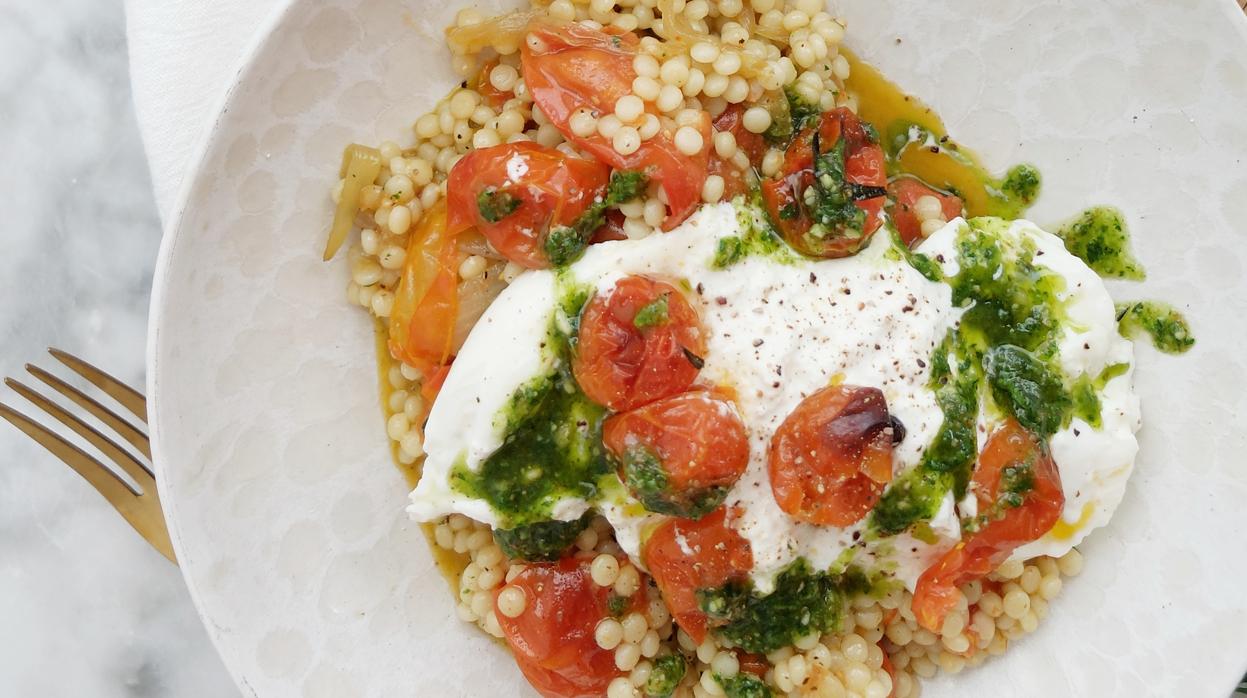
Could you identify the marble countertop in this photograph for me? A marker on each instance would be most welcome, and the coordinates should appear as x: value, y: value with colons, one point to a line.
x: 89, y: 609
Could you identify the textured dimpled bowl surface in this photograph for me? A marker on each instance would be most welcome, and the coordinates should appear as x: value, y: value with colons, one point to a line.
x: 274, y: 466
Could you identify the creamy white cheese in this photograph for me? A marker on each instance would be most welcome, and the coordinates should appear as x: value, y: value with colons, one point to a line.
x: 779, y: 331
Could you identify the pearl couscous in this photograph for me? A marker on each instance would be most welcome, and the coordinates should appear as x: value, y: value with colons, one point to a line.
x: 582, y: 124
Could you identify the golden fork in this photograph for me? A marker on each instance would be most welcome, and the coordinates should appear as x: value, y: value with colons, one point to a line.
x: 141, y: 506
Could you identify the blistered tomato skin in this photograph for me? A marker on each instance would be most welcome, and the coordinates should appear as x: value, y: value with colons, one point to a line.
x: 572, y: 67
x: 686, y: 556
x: 1018, y: 488
x: 553, y: 638
x: 639, y: 342
x: 680, y: 455
x: 515, y: 193
x: 831, y: 457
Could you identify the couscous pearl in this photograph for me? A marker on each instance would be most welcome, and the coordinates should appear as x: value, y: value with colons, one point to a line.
x: 587, y: 540
x: 928, y: 206
x: 503, y: 77
x: 626, y: 141
x: 608, y: 125
x: 1050, y: 587
x: 641, y: 673
x: 688, y: 140
x: 644, y: 87
x: 1071, y: 563
x: 621, y: 687
x: 427, y: 126
x: 756, y: 119
x: 392, y: 257
x: 512, y: 601
x: 382, y: 303
x: 369, y: 240
x: 707, y: 650
x: 412, y: 443
x: 725, y: 664
x: 549, y: 136
x: 669, y: 98
x: 737, y: 90
x: 366, y: 272
x: 634, y: 627
x: 727, y: 63
x: 413, y: 406
x: 771, y: 162
x: 712, y: 189
x: 472, y: 267
x: 650, y: 644
x: 1029, y: 581
x: 655, y: 211
x: 696, y: 81
x: 646, y: 65
x: 629, y: 108
x: 604, y: 570
x: 724, y: 144
x: 704, y: 52
x: 710, y: 685
x: 627, y: 655
x: 1011, y: 569
x: 489, y: 579
x: 716, y: 85
x: 674, y: 71
x: 486, y: 138
x: 628, y: 581
x: 396, y: 426
x: 1016, y: 603
x: 583, y: 123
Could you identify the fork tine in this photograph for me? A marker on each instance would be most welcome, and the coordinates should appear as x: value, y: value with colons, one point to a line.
x: 115, y: 453
x: 143, y: 514
x: 129, y: 398
x: 114, y: 421
x: 105, y: 481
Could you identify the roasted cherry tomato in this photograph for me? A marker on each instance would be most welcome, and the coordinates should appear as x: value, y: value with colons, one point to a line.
x: 491, y: 95
x: 514, y: 194
x: 685, y: 556
x: 428, y: 290
x: 753, y: 145
x: 638, y: 343
x: 1018, y: 489
x: 680, y: 455
x: 552, y: 639
x: 573, y: 67
x: 905, y: 192
x: 831, y: 457
x: 828, y: 199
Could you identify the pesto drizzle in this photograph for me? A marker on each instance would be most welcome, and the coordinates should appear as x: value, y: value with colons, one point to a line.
x: 1163, y: 323
x: 553, y: 445
x: 1002, y: 353
x: 1099, y: 237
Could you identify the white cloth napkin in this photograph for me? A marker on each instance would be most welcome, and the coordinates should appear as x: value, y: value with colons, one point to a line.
x: 184, y: 55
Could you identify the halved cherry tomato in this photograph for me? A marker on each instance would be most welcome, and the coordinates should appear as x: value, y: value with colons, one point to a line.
x: 623, y: 361
x: 514, y: 193
x: 686, y: 556
x: 831, y: 456
x: 679, y: 455
x: 491, y: 95
x: 753, y: 145
x: 832, y: 214
x: 752, y: 663
x: 905, y: 192
x: 572, y: 67
x: 552, y: 639
x: 1018, y: 488
x: 428, y: 290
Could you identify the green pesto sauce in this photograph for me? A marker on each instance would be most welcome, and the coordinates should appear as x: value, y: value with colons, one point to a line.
x: 757, y: 238
x: 803, y: 601
x: 1099, y: 237
x: 1003, y: 354
x: 1168, y: 329
x: 553, y: 445
x: 666, y: 675
x: 545, y: 540
x: 744, y: 685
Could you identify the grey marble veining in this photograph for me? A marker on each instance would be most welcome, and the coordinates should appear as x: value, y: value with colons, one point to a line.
x: 86, y: 608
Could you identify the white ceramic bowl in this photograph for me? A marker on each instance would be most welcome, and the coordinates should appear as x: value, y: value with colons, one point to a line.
x: 287, y: 514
